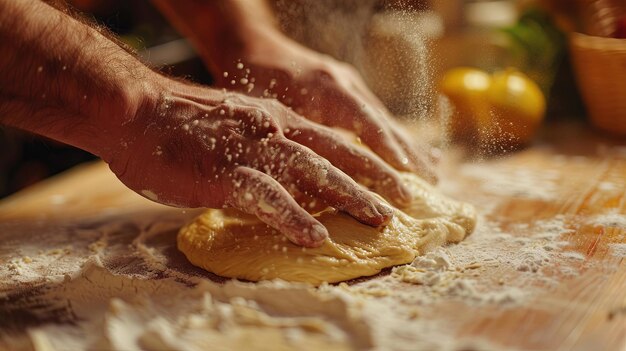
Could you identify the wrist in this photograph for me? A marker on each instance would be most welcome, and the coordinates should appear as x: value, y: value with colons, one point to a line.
x: 239, y: 42
x: 116, y: 121
x: 225, y: 31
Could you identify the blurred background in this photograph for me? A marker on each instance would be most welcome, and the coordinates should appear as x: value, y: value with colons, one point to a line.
x: 488, y: 75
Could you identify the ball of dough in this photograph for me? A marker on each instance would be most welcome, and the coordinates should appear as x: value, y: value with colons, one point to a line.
x: 232, y: 244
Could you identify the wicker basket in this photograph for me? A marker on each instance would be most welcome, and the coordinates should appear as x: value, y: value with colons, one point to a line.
x: 600, y: 65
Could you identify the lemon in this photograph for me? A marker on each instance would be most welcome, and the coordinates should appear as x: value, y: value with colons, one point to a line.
x: 503, y: 109
x: 517, y: 107
x: 466, y: 88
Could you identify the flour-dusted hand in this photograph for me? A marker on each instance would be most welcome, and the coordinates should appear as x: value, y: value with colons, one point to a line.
x: 198, y: 147
x: 245, y: 51
x: 328, y: 92
x: 175, y: 142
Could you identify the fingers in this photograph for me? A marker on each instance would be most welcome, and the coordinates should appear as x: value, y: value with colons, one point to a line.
x: 362, y: 165
x: 256, y: 193
x: 345, y: 110
x: 422, y: 159
x: 315, y: 176
x: 384, y: 139
x: 419, y: 160
x: 349, y: 104
x: 380, y: 139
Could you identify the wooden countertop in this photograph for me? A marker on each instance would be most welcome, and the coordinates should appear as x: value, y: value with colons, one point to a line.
x: 587, y: 175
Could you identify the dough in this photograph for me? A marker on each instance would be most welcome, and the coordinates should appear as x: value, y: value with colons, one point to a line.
x: 232, y: 244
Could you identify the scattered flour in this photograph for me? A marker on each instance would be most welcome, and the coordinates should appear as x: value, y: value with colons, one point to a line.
x: 615, y: 224
x: 122, y: 285
x: 441, y: 278
x: 516, y: 181
x: 457, y: 272
x: 611, y: 219
x: 618, y: 250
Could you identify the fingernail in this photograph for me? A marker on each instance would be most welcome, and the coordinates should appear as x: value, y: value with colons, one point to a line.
x: 319, y: 233
x: 386, y: 211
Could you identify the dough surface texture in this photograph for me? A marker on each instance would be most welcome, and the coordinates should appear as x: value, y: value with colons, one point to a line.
x: 232, y: 244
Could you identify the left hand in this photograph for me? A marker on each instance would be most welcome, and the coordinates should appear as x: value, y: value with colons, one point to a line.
x: 193, y: 146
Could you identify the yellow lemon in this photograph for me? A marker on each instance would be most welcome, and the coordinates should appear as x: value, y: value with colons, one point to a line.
x: 466, y: 88
x: 517, y: 107
x: 500, y: 110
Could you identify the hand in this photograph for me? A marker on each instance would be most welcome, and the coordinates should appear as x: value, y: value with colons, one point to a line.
x: 325, y: 91
x: 173, y: 142
x: 200, y: 147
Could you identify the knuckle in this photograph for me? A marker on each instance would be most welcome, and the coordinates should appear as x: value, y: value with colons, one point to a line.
x: 326, y: 72
x: 275, y: 104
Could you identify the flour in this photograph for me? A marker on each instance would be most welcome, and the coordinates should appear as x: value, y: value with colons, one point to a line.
x: 611, y: 219
x: 129, y: 289
x: 614, y: 227
x: 120, y: 284
x: 441, y: 279
x: 515, y: 181
x: 618, y: 250
x: 544, y: 246
x: 455, y: 272
x: 235, y: 315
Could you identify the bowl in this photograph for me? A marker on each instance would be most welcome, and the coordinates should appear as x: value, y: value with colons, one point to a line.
x: 600, y: 68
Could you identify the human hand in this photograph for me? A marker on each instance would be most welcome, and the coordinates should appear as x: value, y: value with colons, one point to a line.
x: 198, y: 147
x: 326, y: 91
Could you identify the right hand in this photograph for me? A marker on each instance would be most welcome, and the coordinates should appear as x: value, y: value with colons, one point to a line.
x: 331, y: 93
x: 199, y: 147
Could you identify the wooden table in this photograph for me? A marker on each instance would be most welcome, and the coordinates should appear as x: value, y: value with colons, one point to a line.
x: 587, y: 175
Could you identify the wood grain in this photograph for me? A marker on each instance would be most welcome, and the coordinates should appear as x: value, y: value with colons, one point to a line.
x: 587, y: 312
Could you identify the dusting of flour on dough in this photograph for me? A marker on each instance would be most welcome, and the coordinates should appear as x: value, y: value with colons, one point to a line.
x: 235, y: 245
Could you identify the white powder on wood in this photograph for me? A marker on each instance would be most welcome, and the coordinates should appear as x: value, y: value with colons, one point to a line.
x: 618, y: 250
x: 514, y: 181
x: 611, y: 219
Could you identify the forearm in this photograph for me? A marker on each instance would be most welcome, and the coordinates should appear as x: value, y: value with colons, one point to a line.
x: 63, y: 79
x: 223, y: 31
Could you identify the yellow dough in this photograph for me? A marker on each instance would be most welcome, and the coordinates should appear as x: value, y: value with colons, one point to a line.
x: 232, y: 244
